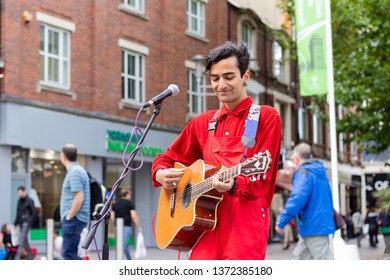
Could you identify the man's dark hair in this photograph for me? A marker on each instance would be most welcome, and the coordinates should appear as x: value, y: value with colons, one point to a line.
x: 70, y: 152
x: 124, y: 193
x: 21, y: 188
x: 227, y: 50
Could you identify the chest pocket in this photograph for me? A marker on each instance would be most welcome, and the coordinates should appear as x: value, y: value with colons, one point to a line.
x: 228, y: 150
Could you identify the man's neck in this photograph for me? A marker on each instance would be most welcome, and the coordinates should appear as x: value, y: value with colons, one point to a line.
x: 68, y: 164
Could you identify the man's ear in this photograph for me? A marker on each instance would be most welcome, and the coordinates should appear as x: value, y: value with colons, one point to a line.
x: 246, y: 77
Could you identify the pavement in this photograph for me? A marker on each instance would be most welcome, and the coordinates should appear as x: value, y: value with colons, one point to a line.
x: 274, y: 252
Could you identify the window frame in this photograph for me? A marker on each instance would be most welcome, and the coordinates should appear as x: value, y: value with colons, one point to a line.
x: 197, y: 93
x: 303, y: 123
x: 138, y: 6
x: 63, y: 57
x: 139, y: 95
x: 199, y: 18
x: 317, y: 130
x: 276, y: 61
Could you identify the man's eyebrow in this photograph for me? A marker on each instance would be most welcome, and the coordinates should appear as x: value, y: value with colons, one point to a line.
x: 224, y: 74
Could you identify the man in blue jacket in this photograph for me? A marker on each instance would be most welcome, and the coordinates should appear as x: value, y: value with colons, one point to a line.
x: 311, y: 202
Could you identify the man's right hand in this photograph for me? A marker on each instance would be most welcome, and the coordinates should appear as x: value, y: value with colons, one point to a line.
x: 169, y: 177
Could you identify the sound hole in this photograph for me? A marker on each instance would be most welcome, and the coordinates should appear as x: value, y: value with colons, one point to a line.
x: 186, y: 201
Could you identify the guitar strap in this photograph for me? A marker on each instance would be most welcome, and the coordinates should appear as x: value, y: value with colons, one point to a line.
x: 251, y: 124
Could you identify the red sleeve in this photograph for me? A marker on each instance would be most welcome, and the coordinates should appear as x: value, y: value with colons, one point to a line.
x: 187, y: 147
x: 269, y: 133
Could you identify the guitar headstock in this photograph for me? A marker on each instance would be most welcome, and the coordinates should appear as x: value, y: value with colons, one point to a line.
x: 259, y: 164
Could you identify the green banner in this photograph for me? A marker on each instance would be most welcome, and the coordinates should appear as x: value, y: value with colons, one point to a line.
x: 311, y: 44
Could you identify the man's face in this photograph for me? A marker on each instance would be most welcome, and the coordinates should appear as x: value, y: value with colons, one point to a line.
x: 295, y: 160
x: 21, y: 194
x: 227, y: 82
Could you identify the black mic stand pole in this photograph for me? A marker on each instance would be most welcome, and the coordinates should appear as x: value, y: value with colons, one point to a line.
x: 105, y: 210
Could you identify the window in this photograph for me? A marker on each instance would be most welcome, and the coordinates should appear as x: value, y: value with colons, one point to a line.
x: 278, y: 61
x: 247, y: 35
x: 54, y: 57
x: 195, y: 17
x: 19, y: 160
x: 196, y: 97
x: 133, y: 77
x: 302, y: 122
x: 134, y: 5
x: 317, y: 129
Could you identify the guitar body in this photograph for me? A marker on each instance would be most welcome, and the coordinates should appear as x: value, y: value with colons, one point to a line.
x: 184, y: 214
x: 181, y: 219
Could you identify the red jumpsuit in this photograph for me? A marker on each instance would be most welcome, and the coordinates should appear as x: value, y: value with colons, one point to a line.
x: 243, y: 218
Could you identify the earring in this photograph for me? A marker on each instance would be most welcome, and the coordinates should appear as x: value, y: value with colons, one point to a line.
x: 245, y: 84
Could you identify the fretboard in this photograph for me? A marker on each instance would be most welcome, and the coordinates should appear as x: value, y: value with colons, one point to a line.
x: 206, y: 185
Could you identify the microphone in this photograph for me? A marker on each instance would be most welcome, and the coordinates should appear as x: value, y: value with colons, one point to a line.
x: 171, y: 90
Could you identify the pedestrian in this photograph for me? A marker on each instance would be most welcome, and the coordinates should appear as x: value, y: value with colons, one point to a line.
x: 372, y: 221
x: 74, y: 203
x: 124, y: 208
x: 349, y: 224
x: 384, y: 222
x: 25, y: 214
x: 6, y: 241
x: 311, y: 202
x: 358, y: 222
x: 217, y: 136
x: 58, y: 240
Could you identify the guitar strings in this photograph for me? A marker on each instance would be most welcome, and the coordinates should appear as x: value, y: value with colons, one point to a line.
x: 200, y: 188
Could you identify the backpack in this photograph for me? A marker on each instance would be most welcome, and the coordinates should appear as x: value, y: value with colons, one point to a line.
x: 98, y: 195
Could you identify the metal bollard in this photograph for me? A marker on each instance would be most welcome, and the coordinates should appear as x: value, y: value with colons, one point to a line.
x: 119, y: 238
x: 49, y: 239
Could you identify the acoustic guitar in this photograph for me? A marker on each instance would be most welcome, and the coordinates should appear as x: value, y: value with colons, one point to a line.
x: 184, y: 214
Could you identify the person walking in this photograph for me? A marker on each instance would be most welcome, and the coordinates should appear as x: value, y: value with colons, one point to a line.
x: 75, y: 202
x: 217, y: 136
x: 58, y: 240
x: 372, y: 221
x: 358, y: 222
x: 311, y: 202
x: 384, y: 223
x: 25, y: 214
x: 124, y: 208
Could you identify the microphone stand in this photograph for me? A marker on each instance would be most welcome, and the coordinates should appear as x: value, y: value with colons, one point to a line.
x: 104, y: 213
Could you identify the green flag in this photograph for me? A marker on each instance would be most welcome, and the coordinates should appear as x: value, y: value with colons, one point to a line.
x: 311, y: 44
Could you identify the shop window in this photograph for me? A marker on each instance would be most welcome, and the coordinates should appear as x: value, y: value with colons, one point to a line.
x: 47, y: 176
x: 19, y: 160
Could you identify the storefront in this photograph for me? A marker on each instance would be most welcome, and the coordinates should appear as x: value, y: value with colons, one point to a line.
x: 31, y: 138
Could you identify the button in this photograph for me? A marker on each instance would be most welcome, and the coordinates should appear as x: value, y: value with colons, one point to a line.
x: 226, y: 133
x: 263, y: 215
x: 262, y: 209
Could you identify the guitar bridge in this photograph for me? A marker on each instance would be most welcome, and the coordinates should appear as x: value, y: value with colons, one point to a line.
x: 172, y: 203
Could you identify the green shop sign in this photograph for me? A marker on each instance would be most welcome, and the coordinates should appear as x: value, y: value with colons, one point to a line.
x: 117, y: 141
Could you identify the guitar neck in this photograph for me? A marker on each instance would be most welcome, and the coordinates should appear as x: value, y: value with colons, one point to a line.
x: 206, y: 185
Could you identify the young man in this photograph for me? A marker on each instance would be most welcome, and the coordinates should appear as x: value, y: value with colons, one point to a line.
x: 75, y: 202
x: 243, y: 215
x: 124, y: 208
x: 25, y: 214
x: 311, y: 202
